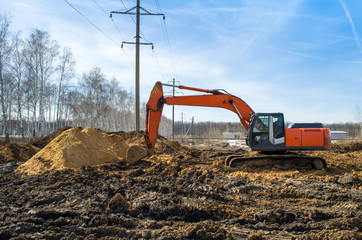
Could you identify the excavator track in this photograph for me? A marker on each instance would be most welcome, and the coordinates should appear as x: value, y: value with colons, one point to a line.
x: 284, y: 162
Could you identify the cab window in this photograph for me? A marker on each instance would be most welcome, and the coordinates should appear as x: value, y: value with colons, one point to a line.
x: 261, y: 129
x: 261, y: 124
x: 278, y: 126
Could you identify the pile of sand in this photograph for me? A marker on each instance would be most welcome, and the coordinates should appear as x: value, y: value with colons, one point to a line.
x: 76, y: 148
x: 43, y: 141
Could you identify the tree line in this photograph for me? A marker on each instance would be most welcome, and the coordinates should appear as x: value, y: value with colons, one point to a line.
x: 41, y: 93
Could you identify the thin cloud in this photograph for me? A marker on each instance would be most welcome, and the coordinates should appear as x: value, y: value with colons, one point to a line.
x: 355, y: 34
x: 303, y: 55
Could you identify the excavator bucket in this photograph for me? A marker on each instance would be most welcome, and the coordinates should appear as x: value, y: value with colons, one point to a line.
x: 154, y: 109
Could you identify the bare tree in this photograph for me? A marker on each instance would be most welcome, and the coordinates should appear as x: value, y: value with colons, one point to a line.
x: 5, y: 51
x: 66, y: 72
x: 17, y: 71
x: 358, y: 116
x: 41, y: 53
x: 92, y: 85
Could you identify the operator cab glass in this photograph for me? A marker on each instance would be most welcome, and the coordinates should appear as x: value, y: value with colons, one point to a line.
x: 266, y: 129
x: 261, y: 129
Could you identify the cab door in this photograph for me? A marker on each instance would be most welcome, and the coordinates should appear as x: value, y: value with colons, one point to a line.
x: 260, y: 130
x: 277, y: 131
x: 267, y: 132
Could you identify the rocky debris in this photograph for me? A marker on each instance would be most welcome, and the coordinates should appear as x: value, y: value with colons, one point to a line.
x: 346, y: 179
x: 181, y: 193
x: 118, y: 203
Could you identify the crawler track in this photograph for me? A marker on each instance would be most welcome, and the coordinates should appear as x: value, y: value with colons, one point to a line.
x: 287, y: 161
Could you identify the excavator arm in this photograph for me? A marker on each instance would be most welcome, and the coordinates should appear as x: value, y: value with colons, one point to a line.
x: 213, y: 98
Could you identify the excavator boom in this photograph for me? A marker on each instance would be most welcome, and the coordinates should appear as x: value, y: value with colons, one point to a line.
x: 213, y: 98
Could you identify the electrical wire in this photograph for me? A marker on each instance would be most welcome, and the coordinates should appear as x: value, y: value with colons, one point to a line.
x: 119, y: 32
x: 100, y: 7
x: 167, y: 39
x: 159, y: 66
x: 170, y: 49
x: 158, y: 6
x: 94, y: 25
x: 116, y: 27
x: 89, y: 21
x: 124, y: 5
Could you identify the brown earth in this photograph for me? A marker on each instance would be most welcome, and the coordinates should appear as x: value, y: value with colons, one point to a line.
x: 76, y: 148
x: 10, y: 152
x: 43, y: 141
x: 181, y: 193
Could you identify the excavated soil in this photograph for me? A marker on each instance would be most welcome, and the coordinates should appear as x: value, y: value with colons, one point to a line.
x: 180, y: 193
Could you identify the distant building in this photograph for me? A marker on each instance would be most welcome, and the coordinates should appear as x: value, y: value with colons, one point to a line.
x: 232, y: 135
x: 339, y: 135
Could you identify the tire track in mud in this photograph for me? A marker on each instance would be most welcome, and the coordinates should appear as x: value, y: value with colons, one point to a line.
x: 181, y: 193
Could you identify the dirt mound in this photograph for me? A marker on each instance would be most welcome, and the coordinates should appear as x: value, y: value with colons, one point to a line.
x: 163, y: 145
x: 76, y: 148
x: 43, y: 141
x: 10, y: 152
x: 347, y: 147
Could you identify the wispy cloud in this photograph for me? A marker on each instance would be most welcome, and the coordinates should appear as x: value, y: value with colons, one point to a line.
x: 355, y: 34
x: 303, y: 55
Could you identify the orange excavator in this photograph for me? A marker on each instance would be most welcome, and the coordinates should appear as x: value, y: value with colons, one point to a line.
x: 266, y: 132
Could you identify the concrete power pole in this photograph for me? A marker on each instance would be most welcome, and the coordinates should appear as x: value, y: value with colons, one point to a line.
x: 138, y: 11
x: 173, y: 110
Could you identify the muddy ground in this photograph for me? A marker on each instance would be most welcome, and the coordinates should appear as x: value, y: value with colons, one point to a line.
x: 183, y: 193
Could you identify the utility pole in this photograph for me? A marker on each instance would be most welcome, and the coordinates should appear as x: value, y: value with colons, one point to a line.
x: 173, y: 106
x: 182, y: 124
x: 138, y: 11
x: 192, y: 126
x: 173, y: 109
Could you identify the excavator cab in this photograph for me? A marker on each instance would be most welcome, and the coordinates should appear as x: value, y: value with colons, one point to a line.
x: 266, y: 132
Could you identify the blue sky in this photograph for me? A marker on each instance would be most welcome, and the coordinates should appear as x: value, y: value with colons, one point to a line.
x: 299, y: 57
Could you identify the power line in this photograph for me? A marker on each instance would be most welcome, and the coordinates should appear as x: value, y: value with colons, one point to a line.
x: 89, y: 21
x: 124, y: 5
x: 94, y: 25
x: 158, y: 6
x: 100, y: 7
x: 170, y: 48
x: 167, y: 38
x: 116, y: 27
x: 159, y: 66
x: 119, y: 32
